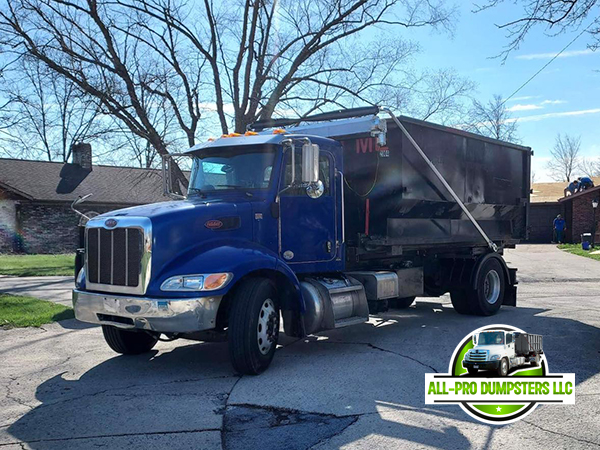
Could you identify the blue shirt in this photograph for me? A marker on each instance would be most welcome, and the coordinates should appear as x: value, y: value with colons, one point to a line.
x: 586, y: 181
x: 559, y: 224
x: 572, y: 187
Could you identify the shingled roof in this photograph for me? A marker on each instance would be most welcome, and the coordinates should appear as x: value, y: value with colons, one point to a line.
x: 51, y: 181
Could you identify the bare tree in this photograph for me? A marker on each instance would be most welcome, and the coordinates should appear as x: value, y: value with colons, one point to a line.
x: 260, y: 58
x: 555, y: 16
x: 564, y: 157
x: 590, y: 167
x: 492, y: 119
x: 45, y: 114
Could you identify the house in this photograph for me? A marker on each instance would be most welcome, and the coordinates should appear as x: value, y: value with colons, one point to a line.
x: 547, y: 201
x: 35, y: 198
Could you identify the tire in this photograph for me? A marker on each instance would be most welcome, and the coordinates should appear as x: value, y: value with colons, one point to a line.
x: 535, y: 362
x: 472, y: 371
x: 253, y: 326
x: 487, y: 299
x: 128, y: 342
x: 503, y: 368
x: 401, y: 303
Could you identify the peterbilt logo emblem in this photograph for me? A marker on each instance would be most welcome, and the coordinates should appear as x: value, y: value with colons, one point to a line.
x: 213, y: 224
x: 110, y: 223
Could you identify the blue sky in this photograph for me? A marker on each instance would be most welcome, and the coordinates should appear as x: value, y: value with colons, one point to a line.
x: 564, y: 98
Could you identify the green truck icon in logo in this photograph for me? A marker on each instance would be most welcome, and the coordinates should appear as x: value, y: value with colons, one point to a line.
x: 500, y: 351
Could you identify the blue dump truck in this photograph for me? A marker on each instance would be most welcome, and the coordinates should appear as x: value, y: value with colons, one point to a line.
x: 317, y: 224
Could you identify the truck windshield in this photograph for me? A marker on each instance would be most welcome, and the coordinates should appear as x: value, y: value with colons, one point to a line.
x: 491, y: 338
x: 232, y: 168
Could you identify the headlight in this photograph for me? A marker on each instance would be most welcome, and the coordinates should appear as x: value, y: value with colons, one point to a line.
x: 80, y: 279
x: 494, y: 357
x: 203, y: 282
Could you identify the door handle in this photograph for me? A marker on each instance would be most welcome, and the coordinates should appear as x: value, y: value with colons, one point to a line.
x: 328, y: 246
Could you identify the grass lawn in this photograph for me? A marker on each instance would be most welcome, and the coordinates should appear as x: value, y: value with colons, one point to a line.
x: 18, y: 311
x: 37, y: 265
x: 577, y: 250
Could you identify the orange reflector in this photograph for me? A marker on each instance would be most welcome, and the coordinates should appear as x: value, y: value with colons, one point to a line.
x: 210, y: 139
x: 215, y: 281
x: 279, y: 131
x: 250, y: 133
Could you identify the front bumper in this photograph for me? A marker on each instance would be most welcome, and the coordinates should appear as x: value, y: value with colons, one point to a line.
x: 482, y: 365
x: 178, y: 315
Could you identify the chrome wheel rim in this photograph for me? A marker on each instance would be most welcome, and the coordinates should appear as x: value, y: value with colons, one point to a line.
x: 268, y: 326
x: 504, y: 367
x: 491, y: 287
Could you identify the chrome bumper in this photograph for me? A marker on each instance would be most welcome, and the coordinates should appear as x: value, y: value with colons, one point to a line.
x: 179, y: 315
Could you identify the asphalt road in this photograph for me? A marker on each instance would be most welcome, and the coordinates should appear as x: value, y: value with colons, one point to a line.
x: 360, y: 387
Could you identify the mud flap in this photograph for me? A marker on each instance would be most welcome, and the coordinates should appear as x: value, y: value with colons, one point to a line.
x: 510, y: 292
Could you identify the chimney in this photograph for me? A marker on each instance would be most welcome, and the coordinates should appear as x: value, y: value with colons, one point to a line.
x: 82, y: 155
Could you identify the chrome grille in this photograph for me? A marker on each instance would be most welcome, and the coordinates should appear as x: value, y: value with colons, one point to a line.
x: 118, y: 257
x: 115, y: 256
x: 478, y: 355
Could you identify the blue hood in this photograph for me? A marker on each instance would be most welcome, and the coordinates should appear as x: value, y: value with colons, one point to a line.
x: 180, y: 227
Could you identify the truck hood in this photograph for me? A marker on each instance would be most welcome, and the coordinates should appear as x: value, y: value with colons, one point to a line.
x: 493, y: 349
x: 184, y: 225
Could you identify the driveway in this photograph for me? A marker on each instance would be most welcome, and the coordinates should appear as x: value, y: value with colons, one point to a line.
x: 359, y: 387
x: 55, y: 289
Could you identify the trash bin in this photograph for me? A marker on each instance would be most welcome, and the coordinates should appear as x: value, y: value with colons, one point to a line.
x: 586, y: 239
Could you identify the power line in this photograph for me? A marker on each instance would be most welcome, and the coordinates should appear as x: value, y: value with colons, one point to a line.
x: 547, y: 64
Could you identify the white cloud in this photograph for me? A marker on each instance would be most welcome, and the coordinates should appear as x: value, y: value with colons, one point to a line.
x: 526, y: 97
x: 570, y: 54
x: 539, y: 117
x: 553, y: 102
x: 520, y: 107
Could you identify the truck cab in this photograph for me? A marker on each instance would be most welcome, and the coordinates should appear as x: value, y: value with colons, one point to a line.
x: 314, y: 227
x: 495, y: 350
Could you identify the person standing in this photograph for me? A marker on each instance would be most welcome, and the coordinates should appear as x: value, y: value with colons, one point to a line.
x: 560, y: 226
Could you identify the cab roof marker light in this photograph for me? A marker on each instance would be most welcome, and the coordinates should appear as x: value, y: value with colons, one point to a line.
x: 279, y: 131
x: 250, y: 133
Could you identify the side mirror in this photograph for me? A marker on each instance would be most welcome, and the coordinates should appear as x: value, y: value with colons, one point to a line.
x: 310, y: 163
x: 310, y: 170
x: 474, y: 339
x: 81, y: 199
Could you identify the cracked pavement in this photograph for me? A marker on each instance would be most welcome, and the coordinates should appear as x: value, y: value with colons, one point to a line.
x: 61, y: 387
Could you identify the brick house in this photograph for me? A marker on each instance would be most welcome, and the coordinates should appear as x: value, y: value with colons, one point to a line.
x: 35, y: 198
x: 579, y: 214
x: 547, y: 200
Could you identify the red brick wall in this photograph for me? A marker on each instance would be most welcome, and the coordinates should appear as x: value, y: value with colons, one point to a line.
x: 582, y: 220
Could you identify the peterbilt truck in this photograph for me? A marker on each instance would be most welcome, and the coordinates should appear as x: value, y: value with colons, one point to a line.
x: 317, y: 223
x: 500, y: 351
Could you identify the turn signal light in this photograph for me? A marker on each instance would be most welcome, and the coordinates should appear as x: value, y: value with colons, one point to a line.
x: 279, y: 131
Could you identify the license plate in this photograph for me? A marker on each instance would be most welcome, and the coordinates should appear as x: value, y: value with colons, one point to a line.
x: 475, y: 366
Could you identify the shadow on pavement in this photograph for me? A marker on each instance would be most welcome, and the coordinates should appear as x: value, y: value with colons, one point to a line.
x: 187, y: 388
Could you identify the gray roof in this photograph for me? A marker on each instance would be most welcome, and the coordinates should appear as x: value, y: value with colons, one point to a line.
x: 51, y: 181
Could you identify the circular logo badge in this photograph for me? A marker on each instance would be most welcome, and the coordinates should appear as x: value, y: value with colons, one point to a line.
x: 499, y: 374
x: 110, y: 223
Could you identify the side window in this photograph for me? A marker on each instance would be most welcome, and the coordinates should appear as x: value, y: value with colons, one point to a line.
x: 324, y: 174
x: 509, y: 338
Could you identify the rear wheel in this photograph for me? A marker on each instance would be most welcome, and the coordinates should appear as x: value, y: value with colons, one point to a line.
x: 128, y: 342
x: 253, y: 326
x: 460, y: 301
x: 487, y: 298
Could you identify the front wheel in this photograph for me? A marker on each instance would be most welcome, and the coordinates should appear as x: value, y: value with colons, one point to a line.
x: 128, y: 342
x: 253, y: 326
x: 503, y: 368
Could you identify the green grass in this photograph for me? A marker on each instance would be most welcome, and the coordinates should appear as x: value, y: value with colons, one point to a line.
x: 18, y: 311
x: 577, y: 250
x: 37, y: 265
